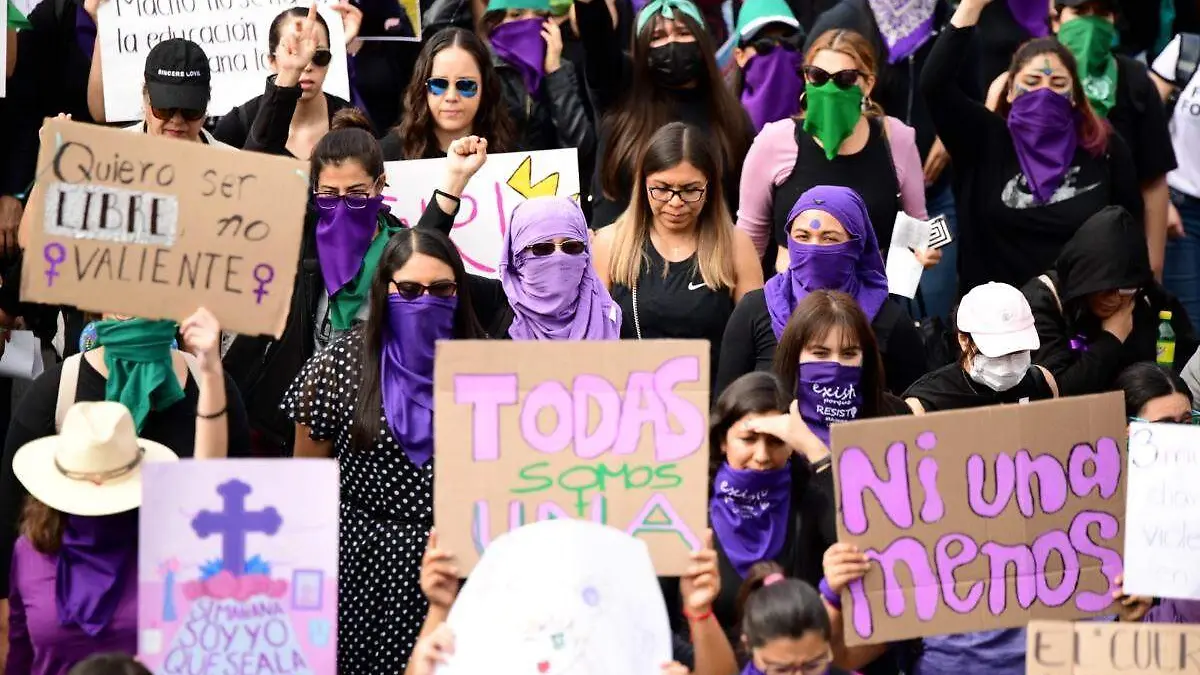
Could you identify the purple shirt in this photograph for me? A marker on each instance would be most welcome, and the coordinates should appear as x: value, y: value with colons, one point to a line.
x: 38, y: 645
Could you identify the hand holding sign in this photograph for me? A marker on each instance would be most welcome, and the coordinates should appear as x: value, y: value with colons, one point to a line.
x: 1131, y: 608
x: 202, y: 337
x: 843, y: 564
x: 701, y: 584
x: 351, y: 20
x: 432, y: 651
x: 439, y: 575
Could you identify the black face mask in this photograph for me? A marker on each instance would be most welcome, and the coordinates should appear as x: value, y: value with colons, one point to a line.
x: 676, y: 63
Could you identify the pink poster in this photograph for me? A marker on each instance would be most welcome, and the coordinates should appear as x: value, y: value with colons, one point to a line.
x: 237, y: 567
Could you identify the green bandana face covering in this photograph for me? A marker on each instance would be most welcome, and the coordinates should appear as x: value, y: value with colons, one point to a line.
x: 832, y: 114
x: 141, y: 374
x: 345, y: 304
x: 1090, y: 39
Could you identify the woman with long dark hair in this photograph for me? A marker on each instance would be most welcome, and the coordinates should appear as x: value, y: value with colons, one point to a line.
x: 367, y: 400
x: 671, y: 74
x: 1030, y: 174
x: 454, y: 92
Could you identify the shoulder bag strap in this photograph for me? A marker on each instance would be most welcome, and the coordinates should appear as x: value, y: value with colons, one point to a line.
x: 68, y: 382
x: 1053, y: 291
x: 1189, y: 59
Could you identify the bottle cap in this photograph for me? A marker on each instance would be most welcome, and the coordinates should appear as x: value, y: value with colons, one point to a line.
x: 1165, y: 315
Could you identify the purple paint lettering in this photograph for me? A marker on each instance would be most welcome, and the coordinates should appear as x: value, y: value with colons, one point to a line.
x: 55, y: 254
x: 671, y: 446
x: 947, y: 563
x: 263, y: 274
x: 932, y: 508
x: 463, y: 222
x: 977, y: 477
x: 481, y: 528
x: 912, y: 554
x: 1110, y: 561
x: 590, y: 444
x: 553, y: 395
x: 673, y: 523
x: 860, y: 609
x: 1106, y: 468
x: 234, y: 523
x: 1001, y: 556
x: 857, y: 476
x: 1046, y: 544
x: 485, y: 393
x: 1051, y: 483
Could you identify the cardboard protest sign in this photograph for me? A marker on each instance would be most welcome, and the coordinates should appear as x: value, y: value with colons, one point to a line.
x: 232, y: 33
x: 237, y: 567
x: 1162, y: 521
x: 567, y: 597
x: 981, y: 519
x: 608, y: 431
x: 506, y: 179
x: 394, y: 20
x: 153, y: 227
x: 1105, y: 648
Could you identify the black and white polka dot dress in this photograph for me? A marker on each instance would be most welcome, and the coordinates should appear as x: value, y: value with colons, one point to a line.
x: 386, y: 514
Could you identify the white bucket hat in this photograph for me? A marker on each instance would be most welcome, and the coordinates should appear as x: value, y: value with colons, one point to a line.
x: 93, y: 467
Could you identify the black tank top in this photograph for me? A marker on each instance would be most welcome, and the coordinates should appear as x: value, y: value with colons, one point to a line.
x: 677, y: 307
x: 870, y: 172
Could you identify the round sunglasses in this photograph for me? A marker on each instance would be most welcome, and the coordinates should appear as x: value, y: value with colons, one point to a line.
x: 438, y: 86
x: 545, y: 248
x: 411, y: 290
x: 167, y: 114
x: 322, y: 58
x: 842, y: 79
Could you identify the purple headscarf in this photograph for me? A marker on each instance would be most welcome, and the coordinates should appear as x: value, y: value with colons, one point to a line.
x: 95, y: 561
x: 855, y: 267
x: 904, y: 25
x: 559, y: 296
x: 1031, y: 15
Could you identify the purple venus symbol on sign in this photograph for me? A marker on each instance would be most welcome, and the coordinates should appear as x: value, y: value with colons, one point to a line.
x: 54, y: 253
x: 263, y: 274
x: 234, y: 523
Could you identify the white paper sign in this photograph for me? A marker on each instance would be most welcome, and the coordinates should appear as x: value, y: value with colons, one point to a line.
x: 903, y: 269
x: 22, y: 356
x: 233, y: 33
x: 504, y: 181
x: 561, y: 597
x: 1162, y: 513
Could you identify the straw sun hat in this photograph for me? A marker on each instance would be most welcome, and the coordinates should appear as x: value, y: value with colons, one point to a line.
x: 93, y: 467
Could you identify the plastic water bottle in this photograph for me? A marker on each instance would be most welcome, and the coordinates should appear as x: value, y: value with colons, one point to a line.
x: 1166, y: 341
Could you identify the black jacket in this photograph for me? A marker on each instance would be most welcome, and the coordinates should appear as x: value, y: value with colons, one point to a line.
x: 556, y: 117
x: 262, y: 124
x: 1107, y: 253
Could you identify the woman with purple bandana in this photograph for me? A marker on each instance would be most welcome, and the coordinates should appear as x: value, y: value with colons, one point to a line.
x: 784, y: 627
x: 768, y: 59
x: 1029, y: 175
x: 367, y: 400
x: 832, y: 246
x: 547, y: 274
x: 540, y: 88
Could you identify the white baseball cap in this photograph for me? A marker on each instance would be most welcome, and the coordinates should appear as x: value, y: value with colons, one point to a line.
x: 998, y: 319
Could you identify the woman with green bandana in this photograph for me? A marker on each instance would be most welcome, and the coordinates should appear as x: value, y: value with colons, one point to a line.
x: 1119, y: 89
x: 670, y: 75
x: 841, y: 137
x: 174, y: 397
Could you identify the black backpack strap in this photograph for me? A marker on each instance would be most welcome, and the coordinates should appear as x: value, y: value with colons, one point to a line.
x: 1189, y: 59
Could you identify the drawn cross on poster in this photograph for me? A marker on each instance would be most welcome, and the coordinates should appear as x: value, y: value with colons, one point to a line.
x: 234, y: 523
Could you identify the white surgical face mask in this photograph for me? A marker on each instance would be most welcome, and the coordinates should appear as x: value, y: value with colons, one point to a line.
x: 1001, y: 373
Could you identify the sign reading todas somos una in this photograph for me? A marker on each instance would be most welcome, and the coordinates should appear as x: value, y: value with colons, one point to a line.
x: 982, y: 519
x: 154, y: 227
x: 608, y: 431
x: 237, y: 568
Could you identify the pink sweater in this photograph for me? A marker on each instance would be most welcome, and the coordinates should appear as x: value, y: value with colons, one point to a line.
x: 773, y: 155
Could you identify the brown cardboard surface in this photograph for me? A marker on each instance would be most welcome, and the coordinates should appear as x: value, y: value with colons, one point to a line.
x: 1050, y: 559
x: 132, y: 224
x: 1102, y: 648
x: 517, y: 456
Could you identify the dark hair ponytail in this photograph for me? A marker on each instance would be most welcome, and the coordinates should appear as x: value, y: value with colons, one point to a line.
x: 784, y: 608
x: 349, y: 138
x: 109, y: 664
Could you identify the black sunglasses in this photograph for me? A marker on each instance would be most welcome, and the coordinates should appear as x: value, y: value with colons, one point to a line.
x: 411, y: 290
x: 438, y: 86
x: 166, y: 114
x: 842, y: 79
x: 545, y: 248
x: 322, y: 58
x: 765, y: 45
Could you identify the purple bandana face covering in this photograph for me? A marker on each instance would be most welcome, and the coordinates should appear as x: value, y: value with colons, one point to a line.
x: 771, y: 87
x: 828, y: 392
x: 406, y: 368
x: 749, y: 512
x: 96, y: 553
x: 343, y: 237
x: 558, y: 296
x: 521, y: 45
x: 1031, y: 15
x: 1042, y: 125
x: 904, y: 25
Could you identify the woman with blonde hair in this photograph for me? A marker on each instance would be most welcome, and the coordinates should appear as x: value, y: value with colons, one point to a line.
x: 673, y: 261
x: 841, y: 137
